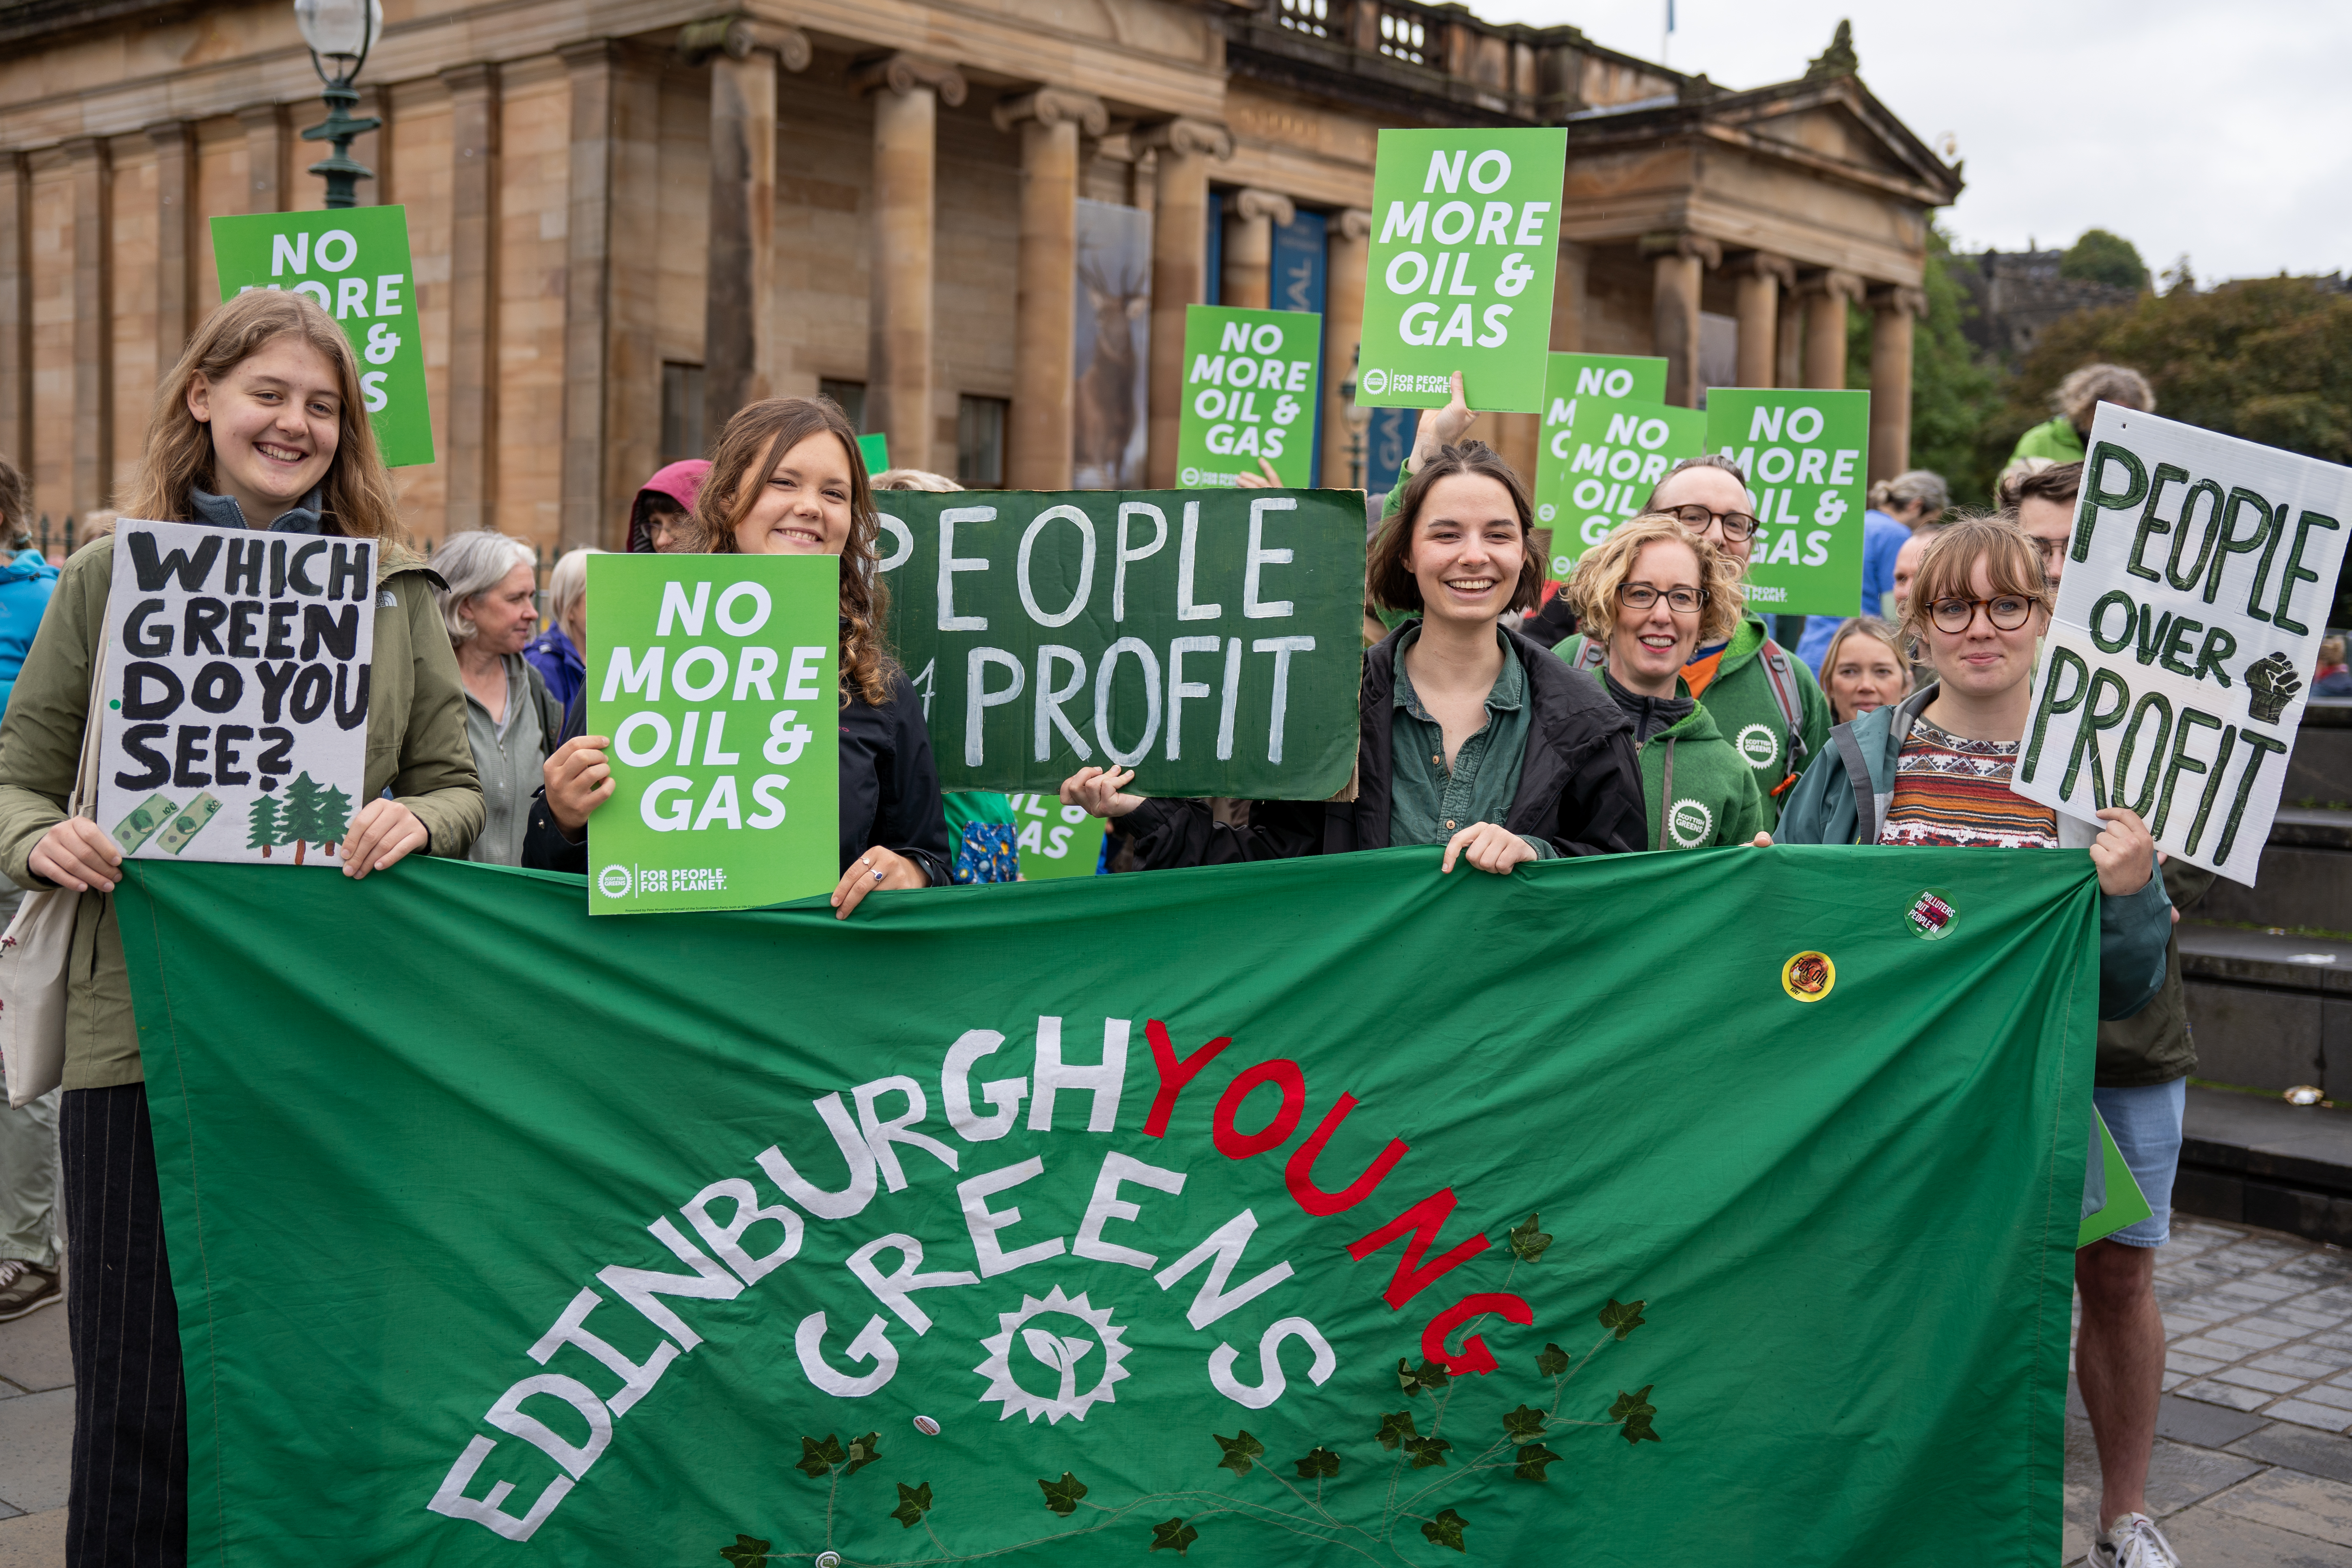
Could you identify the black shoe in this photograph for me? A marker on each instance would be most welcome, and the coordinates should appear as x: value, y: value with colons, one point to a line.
x: 25, y: 1288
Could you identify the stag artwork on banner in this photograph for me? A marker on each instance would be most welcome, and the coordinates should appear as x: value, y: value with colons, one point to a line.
x: 1114, y: 309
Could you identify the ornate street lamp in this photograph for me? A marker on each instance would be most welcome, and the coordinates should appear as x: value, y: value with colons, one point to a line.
x: 340, y: 33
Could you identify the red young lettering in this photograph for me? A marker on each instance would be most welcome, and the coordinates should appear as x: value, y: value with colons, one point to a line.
x: 1474, y: 1356
x: 1300, y: 1172
x: 1425, y: 1219
x: 1236, y: 1145
x: 1173, y: 1074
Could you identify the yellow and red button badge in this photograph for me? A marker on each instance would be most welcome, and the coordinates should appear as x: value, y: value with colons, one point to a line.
x: 1809, y: 976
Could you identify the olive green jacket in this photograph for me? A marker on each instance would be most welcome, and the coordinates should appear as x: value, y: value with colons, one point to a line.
x: 416, y: 746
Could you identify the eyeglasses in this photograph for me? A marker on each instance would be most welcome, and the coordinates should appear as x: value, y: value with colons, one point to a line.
x: 2007, y: 613
x: 1738, y: 526
x: 1642, y: 596
x: 2049, y: 548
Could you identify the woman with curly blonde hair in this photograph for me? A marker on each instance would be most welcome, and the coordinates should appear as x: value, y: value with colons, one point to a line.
x: 786, y: 479
x: 1650, y: 593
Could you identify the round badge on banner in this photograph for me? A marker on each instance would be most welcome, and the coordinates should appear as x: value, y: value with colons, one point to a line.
x: 1931, y: 915
x: 1809, y: 976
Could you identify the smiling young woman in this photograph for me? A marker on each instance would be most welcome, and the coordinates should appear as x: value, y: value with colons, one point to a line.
x: 1863, y: 668
x: 786, y: 479
x: 260, y: 425
x: 1471, y: 736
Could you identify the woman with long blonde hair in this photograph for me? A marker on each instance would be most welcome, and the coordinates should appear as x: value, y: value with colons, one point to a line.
x: 786, y: 479
x: 261, y: 424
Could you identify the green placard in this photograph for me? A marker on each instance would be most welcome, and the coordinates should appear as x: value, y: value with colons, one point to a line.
x: 876, y: 450
x: 715, y: 677
x: 354, y: 261
x: 1053, y: 839
x: 1804, y: 452
x: 1607, y: 439
x: 2126, y: 1205
x: 1466, y: 227
x: 1250, y: 386
x: 1208, y: 639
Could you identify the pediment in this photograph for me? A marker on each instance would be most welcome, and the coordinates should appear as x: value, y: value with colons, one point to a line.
x: 1838, y: 122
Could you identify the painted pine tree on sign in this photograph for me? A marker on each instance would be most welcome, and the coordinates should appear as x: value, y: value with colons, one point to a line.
x: 266, y: 826
x: 334, y: 820
x: 300, y: 824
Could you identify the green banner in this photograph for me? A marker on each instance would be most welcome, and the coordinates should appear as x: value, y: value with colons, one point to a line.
x: 354, y: 261
x: 1607, y: 439
x: 1204, y: 1209
x: 1465, y: 236
x: 1250, y: 386
x: 715, y: 677
x: 1805, y: 453
x: 1053, y: 839
x: 1209, y: 639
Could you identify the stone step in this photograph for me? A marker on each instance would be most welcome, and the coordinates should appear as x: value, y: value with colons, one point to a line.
x: 2305, y: 878
x: 2270, y: 1012
x: 2247, y: 1159
x: 2319, y: 769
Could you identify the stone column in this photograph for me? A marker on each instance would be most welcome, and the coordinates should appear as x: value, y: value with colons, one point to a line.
x: 907, y: 90
x: 175, y: 146
x: 1789, y: 358
x: 590, y: 240
x: 16, y: 311
x: 1044, y: 310
x: 1827, y: 295
x: 1348, y: 251
x: 1892, y: 312
x: 1247, y: 272
x: 1569, y: 289
x: 264, y: 157
x: 1179, y: 262
x: 1678, y: 264
x: 91, y: 465
x: 1761, y: 277
x: 470, y: 456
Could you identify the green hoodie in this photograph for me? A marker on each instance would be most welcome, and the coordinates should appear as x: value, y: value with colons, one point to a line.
x: 1740, y: 700
x: 1715, y: 801
x: 2056, y: 439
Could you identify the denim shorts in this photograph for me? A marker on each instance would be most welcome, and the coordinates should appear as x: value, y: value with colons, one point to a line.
x: 2145, y: 1126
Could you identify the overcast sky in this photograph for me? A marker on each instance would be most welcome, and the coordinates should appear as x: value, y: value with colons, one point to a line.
x: 2224, y: 132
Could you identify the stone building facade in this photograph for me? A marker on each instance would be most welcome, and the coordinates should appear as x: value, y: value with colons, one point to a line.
x: 630, y: 216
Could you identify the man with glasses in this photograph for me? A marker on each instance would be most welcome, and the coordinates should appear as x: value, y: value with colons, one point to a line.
x: 2042, y: 500
x: 1763, y: 698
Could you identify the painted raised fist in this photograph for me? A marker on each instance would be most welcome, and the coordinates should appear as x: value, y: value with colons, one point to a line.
x: 2270, y: 685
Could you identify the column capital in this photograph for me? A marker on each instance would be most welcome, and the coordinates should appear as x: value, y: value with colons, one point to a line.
x: 1054, y: 106
x: 1681, y: 242
x: 477, y: 77
x: 736, y: 37
x: 1255, y: 204
x: 1354, y: 224
x: 1764, y: 264
x: 76, y: 148
x: 903, y: 73
x: 1902, y: 297
x: 1201, y: 136
x: 167, y: 134
x: 1833, y: 283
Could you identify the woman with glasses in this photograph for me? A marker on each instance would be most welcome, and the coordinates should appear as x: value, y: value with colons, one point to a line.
x: 1471, y: 736
x: 1763, y: 696
x: 1648, y: 593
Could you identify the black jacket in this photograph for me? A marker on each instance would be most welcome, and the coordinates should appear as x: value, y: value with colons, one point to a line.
x: 1579, y: 783
x: 889, y: 789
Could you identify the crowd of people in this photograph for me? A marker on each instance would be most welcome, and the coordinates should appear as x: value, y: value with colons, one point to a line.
x: 1648, y: 709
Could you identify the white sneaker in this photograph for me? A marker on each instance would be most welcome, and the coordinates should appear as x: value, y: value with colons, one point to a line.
x: 2133, y: 1541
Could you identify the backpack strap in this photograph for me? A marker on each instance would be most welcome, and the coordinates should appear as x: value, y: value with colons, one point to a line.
x: 1782, y: 681
x: 1590, y: 655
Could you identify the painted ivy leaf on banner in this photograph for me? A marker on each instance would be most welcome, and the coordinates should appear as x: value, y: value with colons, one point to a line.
x: 817, y: 1457
x: 1533, y: 1457
x: 1551, y: 1360
x: 1395, y: 1427
x: 1429, y: 1374
x: 1319, y: 1464
x: 1239, y: 1452
x: 1622, y: 1316
x: 1524, y: 1425
x: 748, y: 1551
x: 1636, y: 1410
x: 1445, y: 1530
x: 1062, y: 1496
x: 913, y: 1504
x: 1528, y: 1241
x: 1427, y: 1451
x: 863, y: 1451
x: 1173, y: 1535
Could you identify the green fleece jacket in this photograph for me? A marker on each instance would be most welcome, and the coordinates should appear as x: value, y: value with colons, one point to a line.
x: 417, y: 746
x: 1715, y: 801
x: 2056, y: 439
x: 1740, y: 700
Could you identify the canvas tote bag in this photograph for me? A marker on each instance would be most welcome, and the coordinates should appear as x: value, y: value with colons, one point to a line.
x: 38, y: 945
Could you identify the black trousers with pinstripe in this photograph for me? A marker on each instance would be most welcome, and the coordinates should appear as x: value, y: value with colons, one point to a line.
x: 129, y: 1500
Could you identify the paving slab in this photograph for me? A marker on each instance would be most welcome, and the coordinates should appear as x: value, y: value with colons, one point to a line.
x: 2291, y: 1500
x: 35, y: 1353
x: 2205, y: 1537
x: 2299, y: 1449
x: 36, y: 1449
x: 2201, y: 1424
x: 37, y: 1540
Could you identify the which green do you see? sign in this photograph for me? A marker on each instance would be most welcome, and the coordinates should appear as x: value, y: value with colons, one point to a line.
x: 1464, y: 242
x: 1803, y: 451
x: 1250, y: 386
x: 354, y: 263
x: 1210, y: 639
x: 1053, y: 839
x: 715, y: 678
x: 2197, y: 588
x: 1607, y: 439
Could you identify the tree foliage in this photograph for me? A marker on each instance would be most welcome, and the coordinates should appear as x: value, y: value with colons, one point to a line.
x: 2102, y: 257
